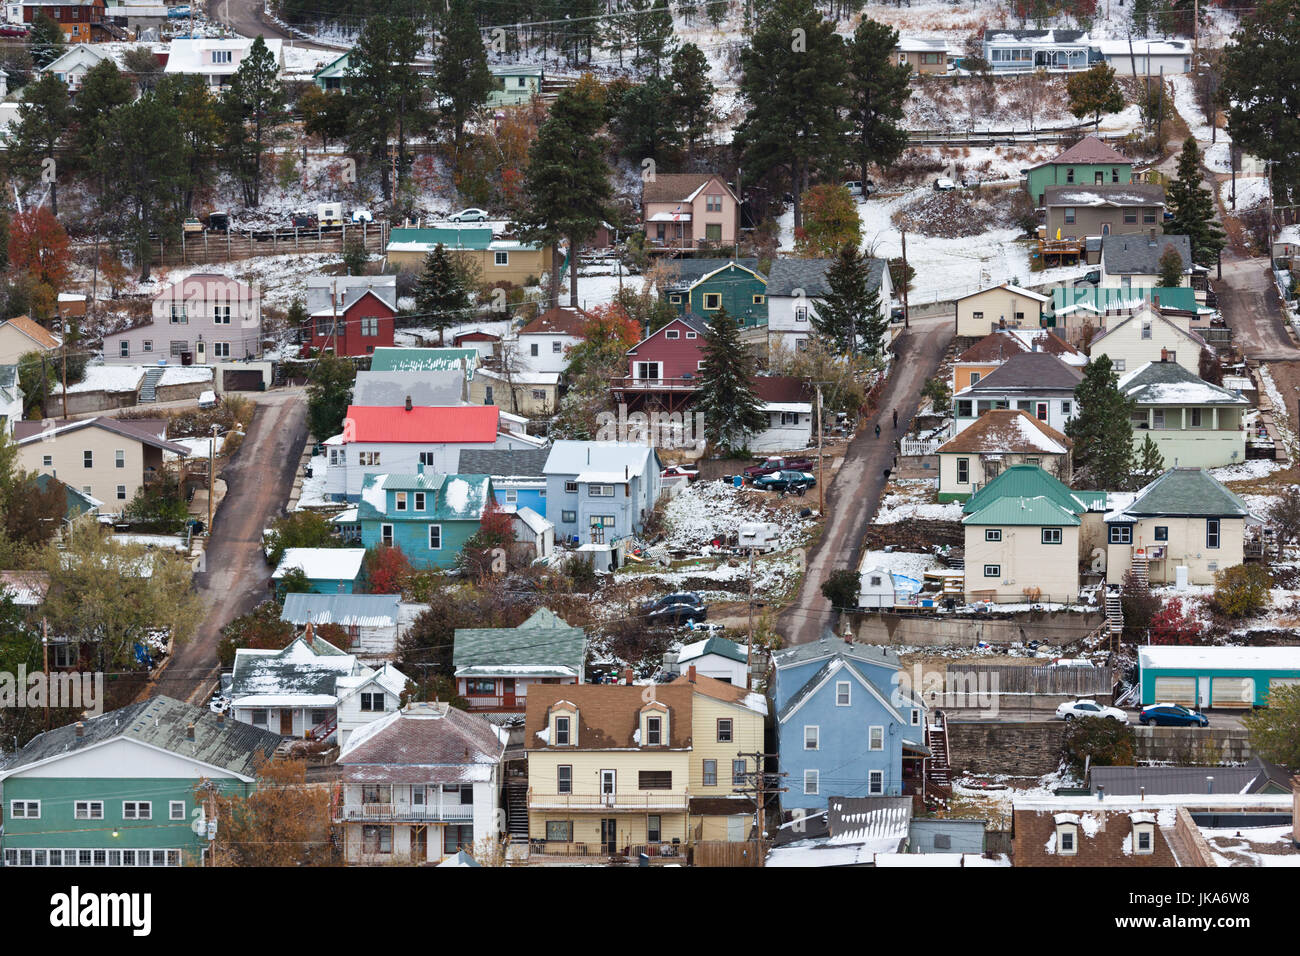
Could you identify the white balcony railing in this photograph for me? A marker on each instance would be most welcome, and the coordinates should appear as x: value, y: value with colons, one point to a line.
x: 396, y: 812
x: 645, y: 800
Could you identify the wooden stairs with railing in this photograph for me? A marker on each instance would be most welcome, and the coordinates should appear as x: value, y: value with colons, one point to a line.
x: 1114, y: 614
x: 517, y: 812
x: 938, y: 772
x: 1140, y: 567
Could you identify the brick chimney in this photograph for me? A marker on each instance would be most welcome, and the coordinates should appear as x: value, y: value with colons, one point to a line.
x: 1164, y: 355
x: 408, y: 403
x: 690, y: 674
x: 1155, y: 303
x: 189, y: 731
x: 627, y: 676
x: 221, y: 721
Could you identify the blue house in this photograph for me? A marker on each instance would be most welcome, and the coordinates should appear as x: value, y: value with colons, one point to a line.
x: 518, y: 475
x: 600, y: 491
x: 429, y: 516
x: 846, y: 725
x: 329, y: 570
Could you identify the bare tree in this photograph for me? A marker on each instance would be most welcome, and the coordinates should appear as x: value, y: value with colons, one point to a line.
x: 1285, y: 518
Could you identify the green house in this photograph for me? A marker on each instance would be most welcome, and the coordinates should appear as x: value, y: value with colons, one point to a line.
x: 333, y: 75
x: 119, y: 789
x: 1090, y: 162
x: 1221, y: 677
x: 429, y: 516
x: 514, y: 85
x: 735, y: 286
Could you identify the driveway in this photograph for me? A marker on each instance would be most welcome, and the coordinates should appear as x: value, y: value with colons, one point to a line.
x: 854, y: 494
x: 235, y: 575
x: 1250, y: 305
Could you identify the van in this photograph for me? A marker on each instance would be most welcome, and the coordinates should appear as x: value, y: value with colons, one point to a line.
x: 208, y: 399
x: 330, y: 214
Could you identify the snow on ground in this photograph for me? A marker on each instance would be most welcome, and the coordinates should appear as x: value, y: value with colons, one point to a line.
x: 773, y: 575
x: 199, y: 447
x: 708, y: 510
x: 313, y: 488
x: 1252, y: 846
x: 907, y: 563
x: 1248, y: 470
x: 1251, y: 192
x: 107, y: 378
x: 1281, y: 411
x: 185, y: 375
x: 914, y: 498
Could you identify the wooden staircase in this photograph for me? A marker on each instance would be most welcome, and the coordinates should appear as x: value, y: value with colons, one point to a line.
x: 517, y: 812
x: 1140, y: 568
x: 938, y: 773
x: 1114, y: 614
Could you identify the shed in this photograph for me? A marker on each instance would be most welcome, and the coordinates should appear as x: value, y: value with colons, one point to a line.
x: 1227, y: 677
x: 716, y: 657
x: 330, y: 570
x: 876, y: 588
x: 946, y: 836
x: 371, y: 620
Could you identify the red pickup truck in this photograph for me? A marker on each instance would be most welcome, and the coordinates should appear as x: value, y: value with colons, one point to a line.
x: 778, y: 464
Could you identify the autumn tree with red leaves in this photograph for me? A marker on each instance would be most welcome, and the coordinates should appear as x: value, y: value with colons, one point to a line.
x: 487, y: 553
x: 386, y: 569
x: 38, y: 246
x: 1173, y: 625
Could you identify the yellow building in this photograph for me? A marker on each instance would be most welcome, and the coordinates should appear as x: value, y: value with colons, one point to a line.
x: 495, y: 261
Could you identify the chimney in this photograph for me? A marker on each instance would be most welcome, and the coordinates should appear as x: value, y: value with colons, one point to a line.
x: 627, y: 676
x: 1164, y: 355
x: 690, y: 674
x: 309, y: 633
x: 189, y: 732
x: 221, y: 721
x: 1155, y: 302
x: 81, y: 729
x: 1142, y: 794
x: 848, y: 635
x: 1101, y: 794
x: 408, y: 403
x: 1209, y: 784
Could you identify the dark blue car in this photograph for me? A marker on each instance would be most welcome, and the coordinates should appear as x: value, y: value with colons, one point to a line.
x: 1172, y: 715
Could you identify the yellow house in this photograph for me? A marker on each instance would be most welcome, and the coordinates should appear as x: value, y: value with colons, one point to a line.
x: 21, y: 335
x: 609, y: 768
x: 1022, y: 550
x: 494, y: 260
x: 727, y: 723
x: 1002, y: 307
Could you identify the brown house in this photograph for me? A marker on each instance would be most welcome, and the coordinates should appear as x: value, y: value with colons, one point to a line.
x: 687, y: 210
x: 1078, y: 211
x: 1101, y: 837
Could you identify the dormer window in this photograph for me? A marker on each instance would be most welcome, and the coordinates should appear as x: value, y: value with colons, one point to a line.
x: 561, y: 731
x: 653, y: 731
x: 1067, y: 834
x: 1144, y: 833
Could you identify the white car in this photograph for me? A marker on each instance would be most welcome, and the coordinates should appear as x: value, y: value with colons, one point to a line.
x: 943, y: 185
x: 208, y: 399
x: 1089, y: 708
x: 470, y: 215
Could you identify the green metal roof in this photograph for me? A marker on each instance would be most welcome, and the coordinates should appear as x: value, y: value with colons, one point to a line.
x: 1031, y: 481
x: 544, y: 642
x: 390, y: 359
x: 472, y: 237
x: 1187, y: 492
x: 1023, y: 511
x: 714, y: 645
x: 1183, y: 299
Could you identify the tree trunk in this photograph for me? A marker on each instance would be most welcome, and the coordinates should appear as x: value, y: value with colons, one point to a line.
x: 573, y: 272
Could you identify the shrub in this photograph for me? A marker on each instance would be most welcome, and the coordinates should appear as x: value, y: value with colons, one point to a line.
x: 260, y: 628
x: 1172, y: 625
x: 1242, y: 590
x: 1107, y: 742
x: 1140, y: 607
x: 299, y: 529
x: 841, y: 589
x: 939, y: 393
x: 1275, y: 730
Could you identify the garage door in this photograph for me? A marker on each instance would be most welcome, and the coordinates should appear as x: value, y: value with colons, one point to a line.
x: 1283, y: 682
x: 1176, y: 690
x: 239, y: 380
x: 1233, y: 692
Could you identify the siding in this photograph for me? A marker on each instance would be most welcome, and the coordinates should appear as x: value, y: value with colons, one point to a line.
x: 1026, y: 563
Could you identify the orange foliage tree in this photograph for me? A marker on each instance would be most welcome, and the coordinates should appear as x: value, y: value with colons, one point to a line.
x: 387, y: 569
x: 38, y: 245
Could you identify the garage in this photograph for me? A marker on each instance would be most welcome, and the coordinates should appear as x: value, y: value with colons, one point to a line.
x: 241, y: 380
x: 1176, y: 690
x: 1229, y: 692
x: 1283, y: 682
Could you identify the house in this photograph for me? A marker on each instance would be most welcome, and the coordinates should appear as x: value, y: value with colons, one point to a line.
x: 428, y: 515
x: 738, y: 289
x: 534, y: 535
x: 216, y: 59
x: 11, y: 399
x: 420, y: 785
x: 486, y: 344
x: 371, y: 620
x: 496, y: 666
x: 205, y: 316
x: 846, y: 832
x: 1133, y: 262
x: 664, y: 367
x: 80, y: 20
x: 717, y: 659
x: 999, y: 438
x: 310, y: 690
x: 609, y: 767
x: 1258, y: 776
x: 1223, y: 677
x: 497, y: 260
x: 119, y: 789
x: 1073, y: 212
x: 925, y: 54
x: 78, y: 503
x: 544, y: 342
x: 1002, y: 307
x: 1037, y: 382
x: 788, y: 404
x: 518, y: 475
x: 356, y: 328
x: 878, y: 588
x: 1098, y: 837
x: 995, y: 348
x: 1023, y: 51
x: 333, y: 76
x: 600, y: 491
x: 1148, y: 335
x: 445, y: 387
x: 1078, y: 314
x: 689, y: 211
x: 1089, y: 162
x: 514, y: 84
x: 1192, y: 422
x: 1184, y: 522
x: 329, y: 570
x: 795, y: 287
x: 1138, y: 57
x: 726, y: 725
x: 72, y: 66
x: 844, y: 724
x: 21, y: 335
x: 1022, y: 550
x: 524, y: 392
x: 110, y: 459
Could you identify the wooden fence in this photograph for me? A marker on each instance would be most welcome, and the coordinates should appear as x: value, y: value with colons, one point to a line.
x: 203, y: 247
x: 1010, y: 679
x: 724, y: 853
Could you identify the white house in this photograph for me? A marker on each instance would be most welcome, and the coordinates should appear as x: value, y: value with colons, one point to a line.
x: 796, y: 286
x: 1036, y: 382
x: 71, y: 67
x: 216, y: 59
x: 1137, y: 57
x: 11, y: 399
x: 544, y: 343
x: 1150, y: 336
x: 715, y: 657
x: 788, y: 404
x: 1133, y: 261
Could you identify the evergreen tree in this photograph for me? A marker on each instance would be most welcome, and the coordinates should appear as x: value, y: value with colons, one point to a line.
x: 726, y: 396
x: 149, y: 167
x: 440, y: 295
x: 45, y: 41
x: 42, y: 122
x: 461, y: 78
x: 324, y: 114
x: 656, y: 36
x: 794, y: 80
x: 1094, y: 92
x: 103, y: 90
x: 1192, y: 208
x: 849, y: 316
x: 691, y: 100
x: 643, y: 122
x: 252, y: 108
x: 1150, y: 464
x: 878, y: 88
x: 1171, y: 268
x: 387, y: 96
x: 1102, y: 431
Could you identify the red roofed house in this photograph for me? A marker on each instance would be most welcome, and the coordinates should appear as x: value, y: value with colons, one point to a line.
x: 379, y: 440
x: 788, y: 403
x: 362, y: 324
x: 664, y: 367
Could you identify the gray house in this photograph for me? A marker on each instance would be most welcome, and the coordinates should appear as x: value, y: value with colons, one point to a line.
x: 206, y: 317
x: 1100, y: 210
x: 600, y: 491
x: 371, y: 620
x: 1133, y: 262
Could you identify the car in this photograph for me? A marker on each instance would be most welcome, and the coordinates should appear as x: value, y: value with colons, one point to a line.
x: 208, y: 399
x: 1090, y: 278
x: 1172, y: 715
x: 469, y: 215
x: 1073, y: 709
x: 942, y: 185
x: 677, y: 597
x: 779, y: 464
x: 1071, y: 662
x: 681, y: 612
x: 797, y: 481
x: 192, y: 225
x: 680, y: 471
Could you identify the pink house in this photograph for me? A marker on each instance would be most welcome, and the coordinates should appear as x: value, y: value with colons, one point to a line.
x: 688, y: 210
x: 209, y: 317
x: 664, y: 368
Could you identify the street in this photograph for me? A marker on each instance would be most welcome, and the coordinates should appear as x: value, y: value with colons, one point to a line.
x: 1252, y: 309
x: 853, y: 495
x: 244, y: 17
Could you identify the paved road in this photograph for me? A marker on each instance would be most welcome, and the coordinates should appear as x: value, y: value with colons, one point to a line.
x: 853, y: 495
x: 243, y: 17
x: 258, y: 482
x: 1250, y: 304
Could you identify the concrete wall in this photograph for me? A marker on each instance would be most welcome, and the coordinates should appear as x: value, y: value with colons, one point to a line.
x: 1192, y: 745
x: 1061, y: 626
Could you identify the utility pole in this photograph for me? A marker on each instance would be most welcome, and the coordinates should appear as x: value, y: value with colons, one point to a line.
x: 749, y: 649
x: 334, y: 304
x: 759, y: 789
x: 821, y: 486
x: 45, y: 653
x: 906, y: 319
x: 212, y: 454
x: 1196, y: 27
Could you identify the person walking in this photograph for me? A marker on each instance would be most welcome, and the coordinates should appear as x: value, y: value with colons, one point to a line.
x: 896, y: 419
x: 877, y: 429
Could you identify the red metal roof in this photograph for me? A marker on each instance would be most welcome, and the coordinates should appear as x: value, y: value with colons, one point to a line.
x: 435, y: 425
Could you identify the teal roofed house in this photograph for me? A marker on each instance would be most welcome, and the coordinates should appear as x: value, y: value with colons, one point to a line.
x: 494, y: 666
x: 1031, y: 481
x: 429, y: 516
x: 735, y: 286
x: 514, y: 84
x: 118, y: 789
x: 389, y: 359
x: 334, y: 75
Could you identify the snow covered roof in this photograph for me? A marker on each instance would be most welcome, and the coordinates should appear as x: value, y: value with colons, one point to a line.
x: 323, y: 564
x: 304, y: 673
x: 873, y: 820
x: 1007, y: 431
x: 543, y: 641
x: 713, y: 645
x: 535, y: 522
x: 623, y: 459
x: 1213, y: 657
x: 195, y: 55
x: 347, y: 610
x: 451, y: 497
x: 1168, y: 383
x: 727, y: 693
x: 1105, y: 194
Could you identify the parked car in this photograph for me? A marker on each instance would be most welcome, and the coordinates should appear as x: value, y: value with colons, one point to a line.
x: 943, y: 185
x: 208, y: 399
x: 469, y: 215
x: 677, y: 597
x: 778, y: 464
x: 684, y: 607
x: 1071, y: 662
x: 857, y: 187
x: 786, y: 481
x: 1072, y: 709
x: 1172, y: 715
x: 219, y: 222
x: 1090, y: 278
x: 192, y: 225
x: 680, y: 471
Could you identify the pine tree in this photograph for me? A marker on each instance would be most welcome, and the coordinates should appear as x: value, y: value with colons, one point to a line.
x: 1102, y: 431
x: 1171, y: 267
x: 656, y: 37
x: 726, y: 396
x: 252, y: 108
x: 386, y: 95
x: 1192, y: 208
x: 849, y: 316
x: 1150, y: 464
x: 151, y: 169
x: 643, y: 122
x: 878, y: 88
x: 691, y: 99
x: 461, y: 78
x: 103, y: 89
x: 440, y: 296
x: 1094, y: 91
x: 42, y: 123
x: 45, y: 41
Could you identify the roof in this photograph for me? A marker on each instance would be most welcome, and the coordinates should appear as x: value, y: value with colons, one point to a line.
x: 561, y: 320
x: 775, y: 389
x: 993, y: 34
x: 713, y: 645
x: 686, y: 272
x: 1100, y: 299
x: 504, y: 462
x: 815, y: 650
x: 25, y: 588
x: 34, y: 331
x: 185, y: 54
x: 1015, y: 289
x: 433, y: 425
x: 1106, y: 194
x: 542, y: 646
x: 160, y: 722
x: 1140, y: 255
x: 1034, y: 372
x: 612, y: 457
x: 727, y: 693
x: 391, y: 389
x: 425, y: 737
x: 1218, y: 657
x: 1007, y: 431
x: 145, y: 431
x: 452, y: 238
x: 1031, y: 481
x: 609, y: 715
x: 883, y: 822
x: 1000, y: 345
x: 306, y: 672
x: 1104, y: 838
x: 347, y: 610
x: 1131, y: 781
x: 1168, y: 383
x: 671, y: 187
x: 1035, y: 512
x: 1145, y: 313
x: 323, y: 564
x: 394, y: 359
x: 451, y: 497
x: 1185, y: 492
x: 788, y: 276
x: 1089, y: 150
x: 835, y: 665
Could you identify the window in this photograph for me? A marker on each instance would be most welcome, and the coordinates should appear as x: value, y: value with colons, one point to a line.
x: 724, y: 730
x: 1130, y: 216
x: 710, y: 773
x: 654, y: 731
x: 119, y: 458
x: 568, y: 517
x: 25, y: 809
x: 843, y: 696
x: 675, y: 298
x: 533, y: 350
x: 600, y: 491
x: 916, y: 718
x: 876, y: 782
x: 176, y: 810
x: 221, y: 56
x: 435, y: 537
x: 1069, y: 216
x: 992, y: 534
x: 653, y: 829
x: 712, y: 301
x: 178, y: 316
x: 221, y: 314
x: 89, y: 810
x: 811, y: 780
x: 561, y: 731
x: 148, y: 345
x: 386, y: 534
x: 1121, y: 534
x: 811, y: 737
x: 692, y: 335
x: 1148, y: 216
x: 88, y: 459
x: 121, y: 492
x: 963, y: 471
x: 368, y: 458
x: 137, y: 810
x: 564, y: 779
x: 1211, y: 532
x: 1069, y: 173
x: 399, y: 501
x: 789, y: 418
x: 47, y: 461
x: 993, y: 570
x: 480, y: 686
x: 739, y: 772
x: 419, y: 501
x: 1066, y: 840
x: 501, y: 258
x: 571, y: 487
x: 876, y: 738
x: 977, y: 316
x: 712, y: 203
x: 801, y: 314
x: 257, y: 717
x: 1146, y: 329
x: 369, y: 326
x: 654, y: 780
x: 557, y: 347
x: 673, y: 334
x: 374, y: 703
x: 426, y: 459
x: 376, y: 839
x: 559, y: 831
x: 1065, y: 409
x: 1051, y: 536
x: 124, y: 348
x: 965, y: 409
x: 1119, y: 364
